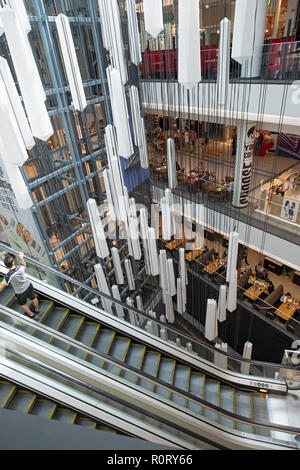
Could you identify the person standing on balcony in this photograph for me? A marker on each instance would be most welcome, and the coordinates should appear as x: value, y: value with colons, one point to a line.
x: 22, y: 286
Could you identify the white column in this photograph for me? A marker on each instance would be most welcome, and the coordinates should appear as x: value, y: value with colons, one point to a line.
x: 243, y: 164
x: 252, y: 67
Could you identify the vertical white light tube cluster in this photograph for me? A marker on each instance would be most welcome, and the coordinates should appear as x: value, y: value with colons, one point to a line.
x: 71, y: 62
x: 112, y: 35
x: 222, y: 304
x: 139, y: 303
x: 247, y: 353
x: 171, y: 163
x: 166, y: 204
x: 189, y: 58
x: 119, y: 112
x: 153, y: 16
x: 153, y: 251
x: 138, y: 126
x: 97, y: 229
x: 200, y: 223
x: 144, y: 235
x: 27, y: 74
x: 244, y: 30
x: 211, y: 324
x: 133, y: 33
x: 224, y: 61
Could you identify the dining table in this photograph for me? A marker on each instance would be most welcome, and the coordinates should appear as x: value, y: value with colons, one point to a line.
x: 194, y: 254
x: 214, y: 266
x: 288, y: 308
x: 256, y: 289
x: 174, y: 243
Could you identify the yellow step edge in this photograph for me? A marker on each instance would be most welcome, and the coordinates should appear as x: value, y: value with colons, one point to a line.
x: 141, y: 359
x: 9, y: 396
x: 234, y: 406
x: 219, y: 398
x: 9, y: 300
x: 62, y: 320
x: 96, y: 332
x: 74, y: 418
x: 50, y: 416
x: 187, y: 384
x: 125, y: 353
x: 172, y: 377
x: 51, y: 304
x: 77, y: 329
x: 156, y: 368
x: 31, y: 404
x: 109, y: 345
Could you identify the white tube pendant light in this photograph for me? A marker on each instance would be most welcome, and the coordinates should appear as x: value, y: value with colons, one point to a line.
x: 171, y: 163
x: 189, y: 58
x: 116, y: 295
x: 27, y: 74
x: 112, y: 35
x: 15, y: 104
x: 109, y: 195
x: 117, y: 266
x: 232, y: 256
x: 211, y: 325
x: 169, y: 309
x: 224, y: 61
x: 243, y: 30
x: 153, y: 16
x: 180, y: 308
x: 71, y: 62
x: 232, y: 292
x: 247, y: 354
x: 103, y: 287
x: 119, y: 112
x: 139, y: 303
x: 12, y: 141
x: 134, y: 237
x: 222, y: 303
x: 99, y: 237
x: 200, y: 223
x: 19, y: 7
x: 171, y: 278
x: 153, y: 251
x: 133, y: 33
x: 129, y: 274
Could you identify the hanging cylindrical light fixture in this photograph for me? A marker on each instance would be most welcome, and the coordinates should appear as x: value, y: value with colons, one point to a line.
x: 133, y: 33
x: 71, y: 62
x: 224, y: 61
x: 243, y: 31
x: 97, y: 229
x: 153, y: 16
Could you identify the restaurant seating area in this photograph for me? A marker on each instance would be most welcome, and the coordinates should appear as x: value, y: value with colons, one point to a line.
x: 254, y: 285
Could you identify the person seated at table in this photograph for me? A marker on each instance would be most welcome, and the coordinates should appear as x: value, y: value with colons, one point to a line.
x: 285, y: 297
x: 224, y: 254
x: 205, y: 249
x: 270, y: 288
x: 259, y: 269
x: 215, y: 256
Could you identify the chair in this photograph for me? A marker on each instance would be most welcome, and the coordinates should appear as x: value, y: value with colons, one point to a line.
x: 243, y: 281
x: 267, y: 306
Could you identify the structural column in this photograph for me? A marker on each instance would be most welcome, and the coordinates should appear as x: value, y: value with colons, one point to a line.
x: 252, y: 67
x: 243, y: 164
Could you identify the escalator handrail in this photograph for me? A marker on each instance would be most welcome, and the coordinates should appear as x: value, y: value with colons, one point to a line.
x: 154, y: 380
x: 92, y: 388
x: 144, y: 314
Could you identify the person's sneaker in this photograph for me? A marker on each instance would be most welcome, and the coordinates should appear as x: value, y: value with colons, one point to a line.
x: 32, y: 308
x: 36, y: 313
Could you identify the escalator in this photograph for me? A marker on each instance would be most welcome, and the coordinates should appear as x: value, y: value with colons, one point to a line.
x: 174, y: 381
x: 21, y: 400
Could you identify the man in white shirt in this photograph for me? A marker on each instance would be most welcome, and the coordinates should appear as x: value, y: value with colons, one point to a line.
x: 22, y: 286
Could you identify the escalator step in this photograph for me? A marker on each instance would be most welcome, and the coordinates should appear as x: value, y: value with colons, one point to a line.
x: 227, y: 403
x: 86, y: 422
x: 260, y: 411
x: 150, y: 366
x: 197, y: 382
x: 86, y: 336
x: 42, y: 408
x: 181, y: 380
x: 165, y: 373
x: 211, y: 394
x: 7, y: 296
x: 6, y: 388
x: 69, y: 328
x: 118, y: 350
x: 57, y: 316
x: 64, y: 415
x: 134, y: 358
x: 21, y: 400
x: 243, y: 407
